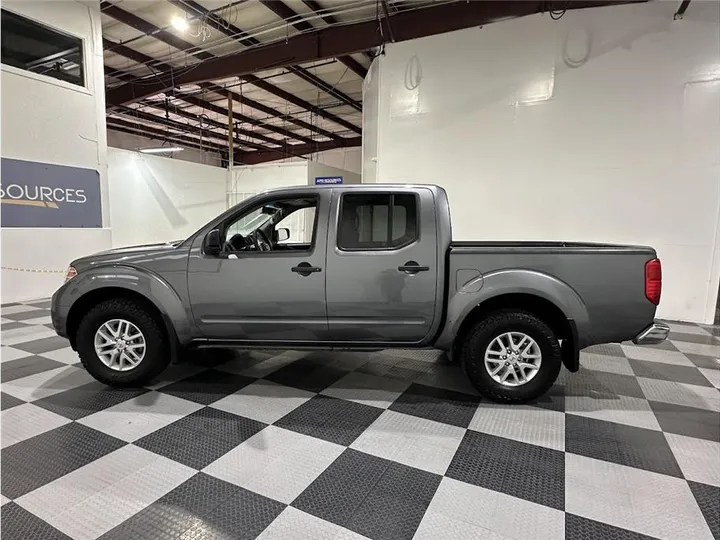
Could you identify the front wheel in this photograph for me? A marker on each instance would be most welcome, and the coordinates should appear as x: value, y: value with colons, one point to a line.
x: 511, y: 356
x: 121, y: 344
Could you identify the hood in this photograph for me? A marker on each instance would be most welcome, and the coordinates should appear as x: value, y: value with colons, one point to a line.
x: 139, y: 249
x: 131, y: 255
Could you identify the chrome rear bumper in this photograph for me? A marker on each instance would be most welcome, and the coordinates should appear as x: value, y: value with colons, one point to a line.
x: 655, y: 333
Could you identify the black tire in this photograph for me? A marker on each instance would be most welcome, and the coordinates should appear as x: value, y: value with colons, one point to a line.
x: 472, y: 355
x: 157, y: 354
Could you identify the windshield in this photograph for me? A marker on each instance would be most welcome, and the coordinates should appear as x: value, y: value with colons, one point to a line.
x: 249, y: 223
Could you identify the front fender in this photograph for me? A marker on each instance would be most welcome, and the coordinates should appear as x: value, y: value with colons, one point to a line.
x: 515, y: 281
x: 138, y: 280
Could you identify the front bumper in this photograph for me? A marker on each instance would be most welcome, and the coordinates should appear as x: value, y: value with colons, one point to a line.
x: 655, y: 333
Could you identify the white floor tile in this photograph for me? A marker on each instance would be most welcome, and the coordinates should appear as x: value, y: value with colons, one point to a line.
x: 656, y: 355
x: 450, y: 378
x: 25, y: 421
x: 435, y: 525
x: 712, y: 375
x: 70, y: 490
x: 603, y: 362
x: 266, y: 367
x: 688, y: 395
x: 642, y: 501
x: 9, y: 353
x: 626, y: 410
x: 367, y: 389
x: 699, y: 459
x: 417, y: 442
x: 174, y: 373
x: 47, y: 383
x: 119, y: 501
x: 491, y: 510
x: 275, y: 462
x: 296, y: 524
x: 65, y: 355
x: 698, y: 348
x: 532, y: 425
x: 31, y: 333
x: 264, y: 401
x: 3, y: 500
x: 140, y: 416
x: 39, y: 320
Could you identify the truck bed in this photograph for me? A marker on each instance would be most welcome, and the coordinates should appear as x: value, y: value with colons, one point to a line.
x: 608, y: 279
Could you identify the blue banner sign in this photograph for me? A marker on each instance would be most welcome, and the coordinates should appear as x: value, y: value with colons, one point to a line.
x: 44, y: 195
x: 323, y: 180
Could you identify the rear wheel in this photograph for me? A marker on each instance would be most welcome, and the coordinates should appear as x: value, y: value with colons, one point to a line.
x: 511, y: 356
x: 121, y: 344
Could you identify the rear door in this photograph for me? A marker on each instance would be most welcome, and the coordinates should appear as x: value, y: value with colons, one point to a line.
x: 381, y: 265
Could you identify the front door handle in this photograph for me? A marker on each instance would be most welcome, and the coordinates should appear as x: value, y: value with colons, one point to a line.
x: 305, y: 269
x: 412, y: 267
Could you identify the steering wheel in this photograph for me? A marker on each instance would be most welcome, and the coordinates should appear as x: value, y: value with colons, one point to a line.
x: 261, y: 241
x: 236, y: 243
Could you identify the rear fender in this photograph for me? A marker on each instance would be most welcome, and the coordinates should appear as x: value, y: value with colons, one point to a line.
x: 150, y: 286
x: 516, y: 281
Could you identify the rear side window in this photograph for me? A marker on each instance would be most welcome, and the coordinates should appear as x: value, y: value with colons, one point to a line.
x: 377, y: 221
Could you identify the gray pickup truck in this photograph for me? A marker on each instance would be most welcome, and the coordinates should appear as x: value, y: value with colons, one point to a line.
x: 363, y: 267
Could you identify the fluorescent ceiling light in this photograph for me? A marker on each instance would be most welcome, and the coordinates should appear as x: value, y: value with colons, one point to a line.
x: 180, y: 23
x: 160, y: 149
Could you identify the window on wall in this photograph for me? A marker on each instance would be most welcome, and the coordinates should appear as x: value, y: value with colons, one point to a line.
x: 377, y: 221
x: 34, y: 47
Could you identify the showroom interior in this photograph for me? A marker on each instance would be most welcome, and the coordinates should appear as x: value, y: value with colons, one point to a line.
x: 571, y: 141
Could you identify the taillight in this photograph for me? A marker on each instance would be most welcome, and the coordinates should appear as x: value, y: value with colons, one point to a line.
x: 71, y: 273
x: 653, y: 280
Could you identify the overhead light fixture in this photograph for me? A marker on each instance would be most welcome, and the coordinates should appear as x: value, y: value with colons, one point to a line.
x: 160, y: 149
x: 180, y: 23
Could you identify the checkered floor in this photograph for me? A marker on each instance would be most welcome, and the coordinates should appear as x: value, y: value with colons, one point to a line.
x: 387, y: 445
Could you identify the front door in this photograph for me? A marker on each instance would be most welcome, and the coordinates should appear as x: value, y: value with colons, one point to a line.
x: 382, y: 266
x: 264, y: 286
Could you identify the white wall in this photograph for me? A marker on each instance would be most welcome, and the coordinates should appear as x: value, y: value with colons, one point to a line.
x: 159, y: 199
x: 127, y: 141
x: 47, y: 120
x: 603, y: 126
x: 349, y: 159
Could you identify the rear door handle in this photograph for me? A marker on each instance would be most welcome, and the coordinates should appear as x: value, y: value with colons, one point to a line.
x: 305, y: 269
x: 411, y: 267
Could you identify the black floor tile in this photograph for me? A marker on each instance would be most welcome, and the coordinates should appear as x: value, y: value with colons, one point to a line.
x: 331, y: 419
x: 694, y: 338
x: 43, y: 304
x: 437, y: 404
x: 590, y: 382
x: 668, y: 372
x: 580, y: 528
x: 39, y: 460
x: 22, y: 367
x: 708, y: 499
x: 699, y: 423
x: 609, y: 349
x: 39, y: 346
x: 702, y: 361
x: 8, y: 402
x: 82, y: 401
x: 522, y: 470
x: 25, y: 315
x: 372, y: 496
x: 553, y: 399
x: 207, y: 387
x: 626, y: 445
x: 202, y: 507
x: 12, y: 326
x: 307, y: 374
x: 18, y: 523
x: 201, y: 437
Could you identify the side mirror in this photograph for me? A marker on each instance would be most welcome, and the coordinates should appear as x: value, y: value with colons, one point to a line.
x: 282, y: 234
x: 212, y: 246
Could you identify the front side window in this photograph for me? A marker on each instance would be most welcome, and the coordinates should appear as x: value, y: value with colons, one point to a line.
x: 377, y: 221
x: 34, y: 47
x: 284, y: 224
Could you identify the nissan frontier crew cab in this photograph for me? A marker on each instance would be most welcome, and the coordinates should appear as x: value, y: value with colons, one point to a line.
x: 362, y: 267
